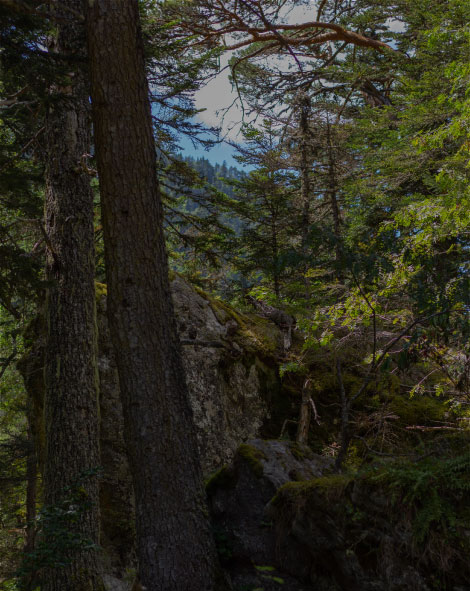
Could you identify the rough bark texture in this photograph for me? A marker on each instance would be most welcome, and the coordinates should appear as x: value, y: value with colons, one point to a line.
x: 174, y: 547
x: 304, y: 415
x: 117, y: 535
x: 235, y: 391
x: 71, y: 410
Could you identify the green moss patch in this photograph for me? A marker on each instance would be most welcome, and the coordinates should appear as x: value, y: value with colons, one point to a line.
x: 222, y: 478
x: 255, y: 334
x: 332, y: 486
x: 101, y: 290
x: 252, y: 457
x: 418, y: 410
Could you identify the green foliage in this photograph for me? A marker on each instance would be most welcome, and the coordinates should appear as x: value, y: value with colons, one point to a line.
x: 252, y: 457
x: 435, y: 490
x: 14, y: 445
x: 198, y: 231
x: 59, y: 539
x: 264, y: 204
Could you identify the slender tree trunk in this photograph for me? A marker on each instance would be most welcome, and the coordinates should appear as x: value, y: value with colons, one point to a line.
x: 274, y: 243
x: 332, y: 185
x: 305, y: 168
x: 345, y: 437
x: 71, y: 402
x: 304, y: 415
x: 275, y: 255
x: 174, y: 544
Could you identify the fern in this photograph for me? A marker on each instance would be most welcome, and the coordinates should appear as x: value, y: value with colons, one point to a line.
x: 436, y: 491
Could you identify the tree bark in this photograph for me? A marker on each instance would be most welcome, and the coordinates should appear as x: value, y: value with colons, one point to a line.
x: 345, y: 437
x: 305, y: 171
x: 332, y: 191
x: 71, y: 396
x: 304, y: 415
x: 174, y: 544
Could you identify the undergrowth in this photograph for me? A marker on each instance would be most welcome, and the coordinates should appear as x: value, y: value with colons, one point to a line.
x: 433, y: 495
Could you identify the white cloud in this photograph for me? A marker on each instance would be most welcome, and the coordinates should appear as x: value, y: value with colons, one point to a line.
x: 217, y: 95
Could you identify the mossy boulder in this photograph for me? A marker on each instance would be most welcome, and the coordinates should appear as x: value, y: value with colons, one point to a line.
x: 239, y: 496
x: 232, y: 368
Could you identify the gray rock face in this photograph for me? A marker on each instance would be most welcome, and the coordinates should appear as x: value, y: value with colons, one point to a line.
x: 230, y: 367
x: 271, y: 508
x: 239, y: 498
x: 232, y: 379
x: 228, y: 380
x: 232, y: 374
x: 114, y: 584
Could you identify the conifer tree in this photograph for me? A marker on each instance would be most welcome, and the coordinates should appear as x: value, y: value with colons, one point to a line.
x: 174, y: 544
x: 71, y: 390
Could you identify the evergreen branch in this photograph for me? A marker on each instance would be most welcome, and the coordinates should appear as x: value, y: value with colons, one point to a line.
x: 6, y: 362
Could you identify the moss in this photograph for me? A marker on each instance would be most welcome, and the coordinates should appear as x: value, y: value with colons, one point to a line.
x: 252, y: 457
x: 255, y: 334
x: 101, y: 290
x: 223, y: 312
x: 290, y: 492
x: 417, y: 410
x: 222, y: 478
x: 331, y: 486
x: 332, y: 482
x: 300, y: 452
x: 259, y: 335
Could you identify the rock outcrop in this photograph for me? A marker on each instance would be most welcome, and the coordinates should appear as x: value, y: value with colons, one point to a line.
x: 233, y: 382
x: 231, y: 369
x: 282, y: 520
x: 239, y: 497
x: 231, y: 363
x: 285, y: 522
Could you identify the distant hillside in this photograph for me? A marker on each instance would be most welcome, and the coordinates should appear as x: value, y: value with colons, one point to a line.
x: 214, y: 173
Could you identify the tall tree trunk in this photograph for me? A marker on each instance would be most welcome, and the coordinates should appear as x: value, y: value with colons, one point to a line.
x: 174, y: 544
x: 275, y: 259
x: 332, y: 189
x: 306, y: 189
x: 71, y: 401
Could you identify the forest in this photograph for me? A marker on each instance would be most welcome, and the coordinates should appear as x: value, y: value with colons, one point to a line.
x: 235, y: 378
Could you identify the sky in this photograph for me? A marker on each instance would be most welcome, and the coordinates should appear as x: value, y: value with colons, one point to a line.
x: 218, y: 94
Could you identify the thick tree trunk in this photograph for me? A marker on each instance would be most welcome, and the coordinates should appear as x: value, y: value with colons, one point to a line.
x: 174, y: 545
x: 71, y: 404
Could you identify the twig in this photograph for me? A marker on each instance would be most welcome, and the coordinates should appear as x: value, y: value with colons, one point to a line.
x: 372, y: 309
x: 284, y: 425
x: 316, y: 416
x: 440, y: 428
